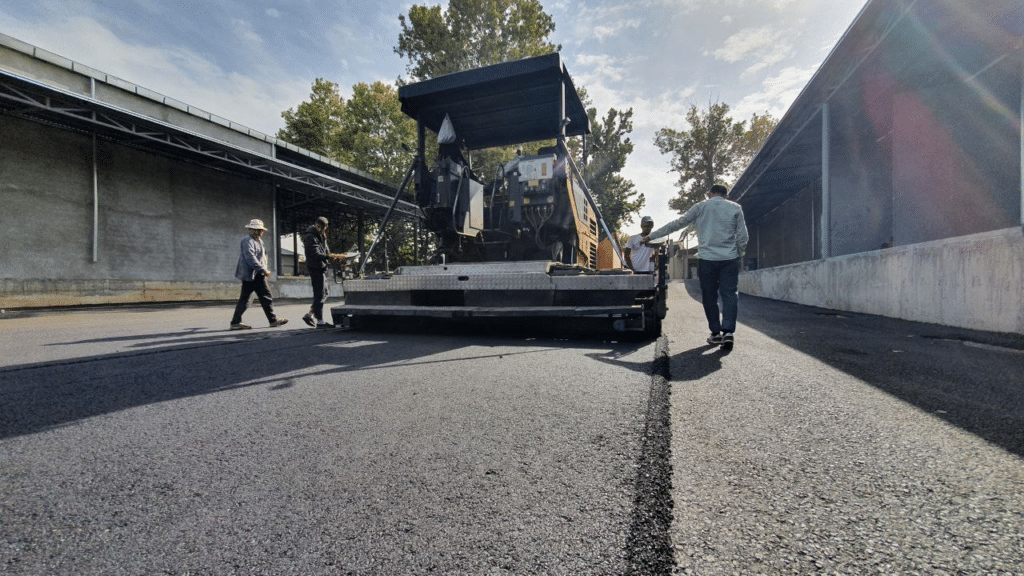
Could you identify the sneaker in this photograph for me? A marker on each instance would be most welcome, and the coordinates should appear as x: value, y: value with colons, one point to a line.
x: 715, y: 339
x: 278, y: 322
x: 727, y: 340
x: 240, y: 326
x: 324, y: 325
x: 308, y: 319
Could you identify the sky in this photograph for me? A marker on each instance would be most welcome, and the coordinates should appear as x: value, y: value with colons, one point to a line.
x: 250, y: 60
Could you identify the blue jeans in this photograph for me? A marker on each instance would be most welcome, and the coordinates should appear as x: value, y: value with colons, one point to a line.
x: 720, y: 277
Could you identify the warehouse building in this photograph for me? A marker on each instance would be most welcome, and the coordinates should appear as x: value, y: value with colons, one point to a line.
x: 114, y: 193
x: 893, y: 184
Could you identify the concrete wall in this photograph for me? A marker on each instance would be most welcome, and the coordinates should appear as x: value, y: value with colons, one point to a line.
x: 167, y: 230
x: 860, y: 170
x: 957, y: 158
x: 971, y: 281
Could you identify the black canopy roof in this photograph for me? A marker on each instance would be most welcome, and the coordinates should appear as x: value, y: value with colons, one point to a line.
x: 500, y: 105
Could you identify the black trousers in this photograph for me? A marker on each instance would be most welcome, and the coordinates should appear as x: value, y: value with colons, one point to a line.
x: 318, y: 276
x: 720, y: 278
x: 262, y: 290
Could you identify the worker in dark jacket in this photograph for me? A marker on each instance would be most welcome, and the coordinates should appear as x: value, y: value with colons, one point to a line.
x: 317, y: 257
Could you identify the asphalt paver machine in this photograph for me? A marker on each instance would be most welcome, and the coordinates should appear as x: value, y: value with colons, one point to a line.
x: 516, y: 245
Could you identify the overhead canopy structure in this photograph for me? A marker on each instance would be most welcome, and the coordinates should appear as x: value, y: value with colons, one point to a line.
x: 133, y: 116
x: 500, y: 105
x: 893, y: 46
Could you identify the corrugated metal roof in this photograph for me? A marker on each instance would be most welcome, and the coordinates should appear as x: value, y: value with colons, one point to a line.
x: 893, y: 33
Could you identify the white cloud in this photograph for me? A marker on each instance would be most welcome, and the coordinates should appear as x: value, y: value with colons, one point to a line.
x: 603, y: 22
x: 602, y: 32
x: 747, y: 43
x: 273, y: 13
x: 664, y: 109
x: 245, y: 34
x: 778, y: 93
x: 603, y: 68
x: 763, y: 47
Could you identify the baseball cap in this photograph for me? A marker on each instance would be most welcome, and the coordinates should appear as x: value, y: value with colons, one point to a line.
x: 646, y: 219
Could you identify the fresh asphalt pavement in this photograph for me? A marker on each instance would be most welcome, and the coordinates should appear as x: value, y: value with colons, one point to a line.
x: 151, y: 440
x: 830, y: 442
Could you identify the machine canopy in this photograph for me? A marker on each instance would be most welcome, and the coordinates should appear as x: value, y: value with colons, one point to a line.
x: 500, y: 105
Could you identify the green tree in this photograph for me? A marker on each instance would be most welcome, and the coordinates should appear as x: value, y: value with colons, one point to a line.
x: 371, y: 135
x: 314, y: 125
x: 472, y: 34
x: 607, y: 151
x: 374, y: 130
x: 714, y: 150
x: 366, y: 132
x: 759, y: 128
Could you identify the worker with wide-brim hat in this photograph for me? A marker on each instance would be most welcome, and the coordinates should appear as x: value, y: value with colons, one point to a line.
x: 252, y: 270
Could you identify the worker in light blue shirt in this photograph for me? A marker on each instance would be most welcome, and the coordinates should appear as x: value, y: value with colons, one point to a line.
x: 721, y: 242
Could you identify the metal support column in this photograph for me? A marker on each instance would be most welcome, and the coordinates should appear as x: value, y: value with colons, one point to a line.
x: 95, y: 188
x: 360, y: 234
x: 562, y: 118
x: 1020, y: 135
x: 95, y: 205
x: 416, y: 243
x: 276, y: 237
x: 295, y: 247
x: 826, y: 201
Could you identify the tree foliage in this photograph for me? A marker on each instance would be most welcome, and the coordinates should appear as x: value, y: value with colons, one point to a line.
x: 603, y: 160
x: 315, y: 124
x: 373, y: 130
x: 365, y: 132
x: 715, y: 150
x: 472, y: 34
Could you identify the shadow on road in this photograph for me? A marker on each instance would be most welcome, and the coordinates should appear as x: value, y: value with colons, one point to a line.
x: 165, y: 367
x: 197, y: 335
x: 40, y: 396
x: 970, y: 379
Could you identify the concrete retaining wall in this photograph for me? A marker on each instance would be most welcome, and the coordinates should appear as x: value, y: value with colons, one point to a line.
x: 299, y: 288
x: 972, y: 282
x: 46, y: 293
